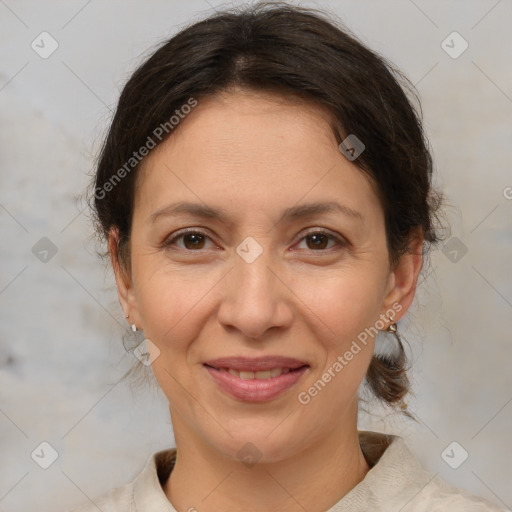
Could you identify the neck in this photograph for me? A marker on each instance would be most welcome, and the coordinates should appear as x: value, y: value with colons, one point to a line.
x: 314, y: 479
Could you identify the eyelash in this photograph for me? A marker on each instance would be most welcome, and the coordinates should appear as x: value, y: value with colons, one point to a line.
x: 169, y: 242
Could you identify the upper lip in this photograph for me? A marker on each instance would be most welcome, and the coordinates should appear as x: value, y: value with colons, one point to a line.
x: 254, y: 364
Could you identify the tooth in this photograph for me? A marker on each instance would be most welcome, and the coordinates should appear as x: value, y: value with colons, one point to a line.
x: 234, y: 372
x: 247, y: 375
x: 263, y: 375
x: 286, y: 370
x: 275, y: 372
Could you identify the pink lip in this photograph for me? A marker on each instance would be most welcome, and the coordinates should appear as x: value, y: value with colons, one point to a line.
x: 255, y: 390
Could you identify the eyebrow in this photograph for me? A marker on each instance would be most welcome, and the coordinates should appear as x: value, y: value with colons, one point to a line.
x: 290, y: 214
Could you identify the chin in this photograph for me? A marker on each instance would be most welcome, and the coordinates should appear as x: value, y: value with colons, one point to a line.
x: 260, y: 442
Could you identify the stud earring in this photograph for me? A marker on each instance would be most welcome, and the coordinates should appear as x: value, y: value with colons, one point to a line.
x: 392, y: 328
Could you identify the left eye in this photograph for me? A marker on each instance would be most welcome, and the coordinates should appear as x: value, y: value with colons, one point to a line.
x: 319, y: 240
x: 196, y: 240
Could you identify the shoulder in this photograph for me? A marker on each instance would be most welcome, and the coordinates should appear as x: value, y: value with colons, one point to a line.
x: 143, y: 493
x: 116, y: 500
x: 440, y: 496
x: 398, y: 480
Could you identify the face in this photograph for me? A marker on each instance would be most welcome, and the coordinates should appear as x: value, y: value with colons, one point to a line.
x: 254, y: 238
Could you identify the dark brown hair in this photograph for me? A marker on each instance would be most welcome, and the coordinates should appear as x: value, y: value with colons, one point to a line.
x: 280, y: 48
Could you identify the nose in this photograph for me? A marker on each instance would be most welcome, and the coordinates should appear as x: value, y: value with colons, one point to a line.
x: 255, y: 298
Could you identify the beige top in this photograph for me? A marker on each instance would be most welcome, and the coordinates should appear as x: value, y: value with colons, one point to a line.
x: 395, y: 482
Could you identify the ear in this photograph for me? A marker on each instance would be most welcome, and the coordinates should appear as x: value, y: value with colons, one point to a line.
x: 404, y: 276
x: 125, y: 289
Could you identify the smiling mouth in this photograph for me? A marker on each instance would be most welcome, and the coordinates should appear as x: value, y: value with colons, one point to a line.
x: 256, y: 386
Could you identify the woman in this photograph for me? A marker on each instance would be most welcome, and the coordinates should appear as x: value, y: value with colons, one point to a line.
x: 265, y: 191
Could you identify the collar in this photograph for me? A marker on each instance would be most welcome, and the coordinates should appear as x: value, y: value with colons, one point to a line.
x: 395, y: 477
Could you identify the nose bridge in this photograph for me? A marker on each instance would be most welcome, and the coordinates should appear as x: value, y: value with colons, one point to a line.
x: 253, y: 300
x: 256, y: 278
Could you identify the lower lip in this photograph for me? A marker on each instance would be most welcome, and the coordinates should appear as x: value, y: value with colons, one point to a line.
x: 255, y: 390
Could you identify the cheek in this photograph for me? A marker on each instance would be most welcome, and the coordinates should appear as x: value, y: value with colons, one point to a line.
x: 345, y: 302
x: 172, y: 303
x: 174, y: 307
x: 340, y: 316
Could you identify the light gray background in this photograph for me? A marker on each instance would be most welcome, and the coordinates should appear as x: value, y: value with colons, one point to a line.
x: 61, y: 326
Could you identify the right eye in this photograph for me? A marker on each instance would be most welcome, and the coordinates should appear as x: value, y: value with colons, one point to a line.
x: 193, y: 240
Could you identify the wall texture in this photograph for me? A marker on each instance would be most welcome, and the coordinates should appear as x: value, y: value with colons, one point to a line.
x: 61, y: 328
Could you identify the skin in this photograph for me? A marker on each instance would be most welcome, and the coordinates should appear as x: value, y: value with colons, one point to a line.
x: 254, y: 155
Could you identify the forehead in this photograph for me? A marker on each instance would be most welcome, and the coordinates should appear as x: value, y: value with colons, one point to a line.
x: 255, y: 149
x: 242, y: 121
